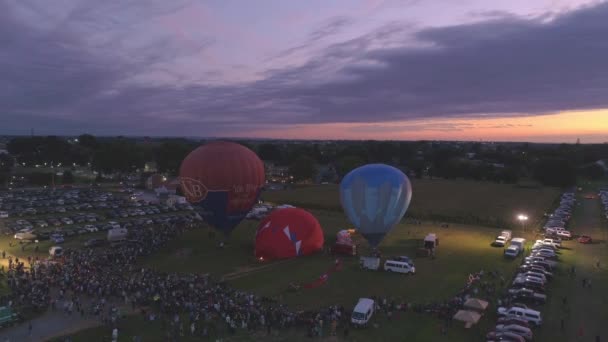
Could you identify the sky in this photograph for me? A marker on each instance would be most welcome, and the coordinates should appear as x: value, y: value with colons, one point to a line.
x: 502, y: 70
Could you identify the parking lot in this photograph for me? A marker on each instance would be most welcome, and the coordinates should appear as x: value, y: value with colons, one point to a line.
x: 59, y: 215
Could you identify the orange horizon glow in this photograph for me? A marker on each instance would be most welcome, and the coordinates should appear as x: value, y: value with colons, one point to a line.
x: 588, y: 126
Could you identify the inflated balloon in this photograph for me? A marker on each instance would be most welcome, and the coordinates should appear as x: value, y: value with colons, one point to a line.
x: 375, y: 197
x: 222, y: 180
x: 288, y: 233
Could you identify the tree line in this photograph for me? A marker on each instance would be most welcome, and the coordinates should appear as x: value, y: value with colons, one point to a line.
x: 554, y: 165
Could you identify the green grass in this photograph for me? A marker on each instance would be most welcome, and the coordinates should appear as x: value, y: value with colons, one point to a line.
x: 463, y: 250
x: 478, y: 203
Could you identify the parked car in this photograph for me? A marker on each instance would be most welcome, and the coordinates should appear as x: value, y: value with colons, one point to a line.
x: 532, y: 316
x: 516, y: 329
x: 363, y: 312
x: 527, y: 296
x: 585, y: 239
x: 399, y: 266
x: 57, y: 238
x: 564, y: 234
x: 513, y: 320
x: 504, y: 336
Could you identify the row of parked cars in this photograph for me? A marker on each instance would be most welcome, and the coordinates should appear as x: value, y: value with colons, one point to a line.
x: 58, y: 236
x: 146, y: 209
x: 556, y: 223
x: 43, y: 202
x: 528, y: 291
x: 261, y: 210
x: 22, y: 224
x: 604, y: 198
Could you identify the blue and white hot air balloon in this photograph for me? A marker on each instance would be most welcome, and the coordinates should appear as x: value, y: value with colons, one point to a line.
x: 375, y: 197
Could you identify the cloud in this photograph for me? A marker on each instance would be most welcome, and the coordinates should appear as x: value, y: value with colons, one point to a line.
x: 504, y: 66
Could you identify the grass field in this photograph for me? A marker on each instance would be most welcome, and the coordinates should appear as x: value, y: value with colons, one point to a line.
x: 464, y: 249
x: 470, y: 202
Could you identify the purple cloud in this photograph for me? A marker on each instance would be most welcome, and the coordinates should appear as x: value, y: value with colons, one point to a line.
x: 67, y: 81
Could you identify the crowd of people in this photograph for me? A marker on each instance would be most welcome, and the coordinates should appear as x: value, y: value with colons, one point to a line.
x: 92, y: 282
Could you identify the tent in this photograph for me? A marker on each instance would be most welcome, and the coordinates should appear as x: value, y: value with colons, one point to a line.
x: 468, y: 317
x: 475, y: 304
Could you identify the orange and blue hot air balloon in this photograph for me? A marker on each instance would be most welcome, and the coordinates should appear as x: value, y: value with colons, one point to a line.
x: 222, y: 180
x: 375, y: 197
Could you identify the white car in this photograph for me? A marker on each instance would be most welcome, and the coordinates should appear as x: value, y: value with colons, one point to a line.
x: 564, y: 234
x: 531, y: 316
x: 500, y: 241
x: 90, y: 228
x: 533, y: 274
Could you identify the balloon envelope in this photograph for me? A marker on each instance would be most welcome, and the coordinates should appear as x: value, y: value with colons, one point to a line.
x: 288, y: 233
x: 222, y: 180
x: 375, y: 197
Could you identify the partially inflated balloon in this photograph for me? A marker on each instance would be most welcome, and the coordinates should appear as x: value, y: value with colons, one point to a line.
x: 375, y: 197
x: 223, y: 181
x: 288, y: 233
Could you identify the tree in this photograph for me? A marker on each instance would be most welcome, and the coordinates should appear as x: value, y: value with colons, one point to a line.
x: 347, y: 164
x: 67, y: 178
x: 303, y: 168
x: 555, y: 172
x: 119, y: 155
x: 169, y: 155
x: 40, y: 178
x: 593, y: 171
x: 88, y: 141
x: 6, y: 166
x: 270, y: 152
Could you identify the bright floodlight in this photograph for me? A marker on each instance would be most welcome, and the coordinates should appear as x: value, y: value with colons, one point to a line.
x: 522, y: 217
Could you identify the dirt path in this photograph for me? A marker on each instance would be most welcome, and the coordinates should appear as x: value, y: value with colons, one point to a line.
x: 589, y: 314
x: 52, y: 324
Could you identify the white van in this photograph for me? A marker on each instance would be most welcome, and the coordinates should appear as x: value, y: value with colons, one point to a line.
x: 3, y: 214
x: 370, y: 263
x: 363, y: 311
x: 56, y: 251
x: 529, y: 315
x: 117, y: 234
x: 519, y: 242
x: 399, y: 266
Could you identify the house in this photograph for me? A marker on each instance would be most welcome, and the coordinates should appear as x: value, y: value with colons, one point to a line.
x: 172, y: 200
x: 277, y: 174
x: 167, y: 187
x: 150, y: 167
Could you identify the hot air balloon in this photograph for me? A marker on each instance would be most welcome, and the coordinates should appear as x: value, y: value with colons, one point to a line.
x: 288, y: 233
x: 222, y: 180
x: 375, y: 197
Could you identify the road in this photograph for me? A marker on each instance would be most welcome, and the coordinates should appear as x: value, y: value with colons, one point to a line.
x: 585, y: 313
x: 52, y: 324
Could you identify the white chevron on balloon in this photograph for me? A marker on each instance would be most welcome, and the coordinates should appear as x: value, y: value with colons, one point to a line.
x: 267, y: 225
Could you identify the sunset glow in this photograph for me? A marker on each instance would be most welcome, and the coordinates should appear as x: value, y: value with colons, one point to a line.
x: 589, y: 126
